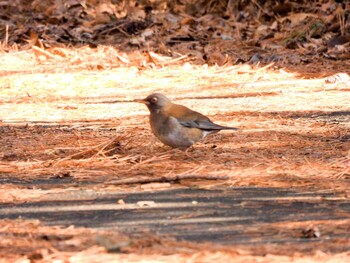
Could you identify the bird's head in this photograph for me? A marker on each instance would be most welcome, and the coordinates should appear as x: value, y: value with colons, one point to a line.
x: 155, y: 101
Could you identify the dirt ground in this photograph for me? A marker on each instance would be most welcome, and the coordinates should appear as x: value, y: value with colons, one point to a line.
x: 72, y: 134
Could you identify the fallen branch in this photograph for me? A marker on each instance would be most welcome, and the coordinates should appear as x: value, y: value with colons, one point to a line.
x: 167, y: 179
x: 39, y: 51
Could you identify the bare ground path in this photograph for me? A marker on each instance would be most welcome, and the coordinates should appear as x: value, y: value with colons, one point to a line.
x: 258, y: 220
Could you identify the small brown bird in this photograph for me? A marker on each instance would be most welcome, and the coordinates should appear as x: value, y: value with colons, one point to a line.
x: 176, y: 125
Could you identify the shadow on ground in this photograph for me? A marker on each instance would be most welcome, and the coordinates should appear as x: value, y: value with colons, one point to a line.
x: 244, y: 217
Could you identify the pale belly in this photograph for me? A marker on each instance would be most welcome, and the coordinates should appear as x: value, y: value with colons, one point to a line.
x: 178, y: 139
x: 175, y: 135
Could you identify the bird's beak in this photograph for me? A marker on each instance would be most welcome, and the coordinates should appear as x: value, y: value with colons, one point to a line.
x: 141, y: 101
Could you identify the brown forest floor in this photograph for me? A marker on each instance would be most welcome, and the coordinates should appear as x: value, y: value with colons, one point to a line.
x: 69, y: 131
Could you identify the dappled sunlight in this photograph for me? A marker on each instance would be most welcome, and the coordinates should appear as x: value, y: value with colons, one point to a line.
x: 77, y: 94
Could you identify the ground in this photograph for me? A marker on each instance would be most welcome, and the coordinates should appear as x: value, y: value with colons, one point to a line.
x: 84, y: 179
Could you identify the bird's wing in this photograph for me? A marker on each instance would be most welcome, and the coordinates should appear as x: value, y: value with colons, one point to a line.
x: 204, y: 125
x: 194, y: 119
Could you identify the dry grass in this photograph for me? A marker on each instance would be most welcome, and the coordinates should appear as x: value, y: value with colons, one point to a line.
x: 68, y: 118
x: 282, y: 119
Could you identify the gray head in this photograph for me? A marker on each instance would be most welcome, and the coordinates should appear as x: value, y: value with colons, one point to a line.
x: 155, y: 101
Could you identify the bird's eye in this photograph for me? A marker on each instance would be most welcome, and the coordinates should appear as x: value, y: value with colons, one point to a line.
x: 154, y: 100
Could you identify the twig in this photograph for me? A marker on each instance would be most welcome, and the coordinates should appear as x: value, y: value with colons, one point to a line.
x: 167, y: 179
x: 6, y: 40
x: 39, y: 51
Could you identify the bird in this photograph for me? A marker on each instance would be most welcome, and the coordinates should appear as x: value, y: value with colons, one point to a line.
x: 176, y: 125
